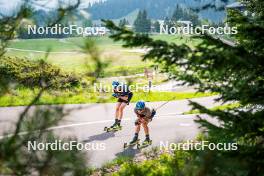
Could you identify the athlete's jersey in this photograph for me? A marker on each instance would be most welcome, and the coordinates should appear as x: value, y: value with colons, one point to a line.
x: 122, y: 90
x: 146, y: 113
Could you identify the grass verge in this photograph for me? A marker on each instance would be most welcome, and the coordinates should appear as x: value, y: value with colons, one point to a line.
x: 23, y: 96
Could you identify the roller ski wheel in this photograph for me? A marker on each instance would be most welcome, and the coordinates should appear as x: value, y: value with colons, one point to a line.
x: 144, y: 144
x: 127, y: 145
x: 112, y: 129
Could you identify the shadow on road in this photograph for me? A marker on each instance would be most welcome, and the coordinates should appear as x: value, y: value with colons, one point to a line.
x: 131, y: 152
x: 100, y: 137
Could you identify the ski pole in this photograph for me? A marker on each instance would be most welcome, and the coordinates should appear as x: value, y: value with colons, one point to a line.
x: 163, y: 104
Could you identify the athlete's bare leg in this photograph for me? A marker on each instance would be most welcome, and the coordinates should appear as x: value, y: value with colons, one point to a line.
x: 145, y: 126
x: 120, y: 110
x: 117, y: 109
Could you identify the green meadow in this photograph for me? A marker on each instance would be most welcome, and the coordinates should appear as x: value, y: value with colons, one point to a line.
x: 23, y: 96
x: 67, y: 53
x: 69, y: 56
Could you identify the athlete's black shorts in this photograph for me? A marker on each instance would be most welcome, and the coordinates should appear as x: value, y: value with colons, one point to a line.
x: 130, y: 95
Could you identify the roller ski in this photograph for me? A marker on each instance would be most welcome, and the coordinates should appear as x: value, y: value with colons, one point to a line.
x: 145, y: 144
x: 113, y: 128
x: 132, y: 143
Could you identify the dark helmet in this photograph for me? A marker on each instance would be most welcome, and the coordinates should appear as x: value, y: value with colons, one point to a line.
x: 140, y: 105
x: 115, y: 84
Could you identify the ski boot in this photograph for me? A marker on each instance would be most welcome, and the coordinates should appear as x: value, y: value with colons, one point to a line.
x: 114, y: 127
x: 144, y: 144
x: 132, y: 143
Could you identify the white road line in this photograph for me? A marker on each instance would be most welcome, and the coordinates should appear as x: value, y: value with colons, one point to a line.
x: 37, y: 51
x: 161, y: 117
x: 104, y: 121
x: 185, y: 124
x: 84, y: 123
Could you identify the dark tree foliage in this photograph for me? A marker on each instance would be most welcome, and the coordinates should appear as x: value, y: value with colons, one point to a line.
x: 142, y: 23
x: 113, y: 9
x: 156, y: 26
x: 33, y: 123
x: 185, y: 15
x: 123, y: 22
x: 178, y: 13
x: 235, y: 72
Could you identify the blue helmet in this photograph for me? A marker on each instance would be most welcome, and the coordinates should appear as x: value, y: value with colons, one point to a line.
x: 140, y: 105
x: 115, y: 84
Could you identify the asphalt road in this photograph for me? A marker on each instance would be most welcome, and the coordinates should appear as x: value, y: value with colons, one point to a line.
x: 86, y: 123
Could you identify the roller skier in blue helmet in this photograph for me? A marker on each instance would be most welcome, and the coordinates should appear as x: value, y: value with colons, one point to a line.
x: 123, y: 95
x: 144, y: 116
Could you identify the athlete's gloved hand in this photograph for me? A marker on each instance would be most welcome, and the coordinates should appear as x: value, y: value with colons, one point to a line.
x: 115, y: 95
x: 153, y: 113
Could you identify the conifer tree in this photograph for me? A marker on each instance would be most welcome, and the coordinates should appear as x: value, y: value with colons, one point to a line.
x: 157, y: 26
x: 142, y: 23
x: 236, y: 73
